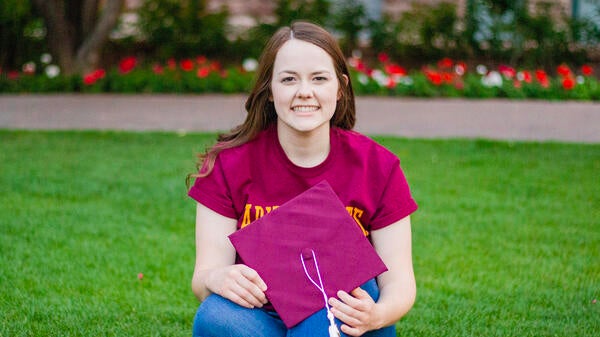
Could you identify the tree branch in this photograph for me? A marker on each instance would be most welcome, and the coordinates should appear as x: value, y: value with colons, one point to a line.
x: 94, y: 41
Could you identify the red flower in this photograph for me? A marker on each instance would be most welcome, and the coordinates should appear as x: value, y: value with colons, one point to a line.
x: 517, y: 83
x: 587, y: 70
x: 507, y: 71
x: 12, y: 75
x: 157, y: 69
x: 542, y: 77
x: 394, y: 69
x: 187, y: 65
x: 127, y: 64
x: 383, y: 57
x: 391, y: 84
x: 172, y: 64
x: 447, y: 77
x: 89, y: 79
x: 568, y: 83
x: 445, y: 63
x: 434, y: 77
x: 203, y: 72
x: 563, y: 70
x: 526, y: 76
x: 215, y: 65
x: 358, y: 64
x: 94, y: 76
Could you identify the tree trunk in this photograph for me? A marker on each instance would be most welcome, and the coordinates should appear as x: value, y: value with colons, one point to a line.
x: 76, y: 32
x: 89, y: 52
x: 59, y: 33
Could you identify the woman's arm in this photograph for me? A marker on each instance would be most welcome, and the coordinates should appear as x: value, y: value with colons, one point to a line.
x: 397, y: 286
x: 215, y: 270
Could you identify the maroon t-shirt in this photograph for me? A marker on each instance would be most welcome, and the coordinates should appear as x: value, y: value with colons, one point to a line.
x: 252, y: 179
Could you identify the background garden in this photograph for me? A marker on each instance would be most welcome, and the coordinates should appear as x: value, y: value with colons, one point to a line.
x: 494, y: 49
x: 97, y: 233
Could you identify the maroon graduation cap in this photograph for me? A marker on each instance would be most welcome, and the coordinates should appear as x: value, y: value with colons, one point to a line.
x: 312, y: 236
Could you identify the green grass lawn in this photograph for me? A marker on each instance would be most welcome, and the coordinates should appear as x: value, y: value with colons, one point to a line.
x: 506, y: 241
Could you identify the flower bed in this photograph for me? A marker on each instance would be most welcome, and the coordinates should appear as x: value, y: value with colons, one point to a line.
x: 447, y: 78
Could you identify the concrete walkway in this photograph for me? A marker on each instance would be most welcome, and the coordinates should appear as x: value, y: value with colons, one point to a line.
x: 405, y: 117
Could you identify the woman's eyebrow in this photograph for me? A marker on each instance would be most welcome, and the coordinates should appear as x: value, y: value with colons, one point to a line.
x: 318, y: 72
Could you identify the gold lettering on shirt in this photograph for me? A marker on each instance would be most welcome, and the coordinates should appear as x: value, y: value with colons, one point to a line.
x: 259, y: 212
x: 356, y: 214
x: 246, y: 218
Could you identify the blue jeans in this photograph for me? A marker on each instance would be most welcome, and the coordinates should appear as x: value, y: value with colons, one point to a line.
x: 219, y: 317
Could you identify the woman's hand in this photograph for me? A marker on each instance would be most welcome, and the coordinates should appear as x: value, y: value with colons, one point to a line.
x: 239, y: 284
x: 357, y: 310
x: 215, y: 270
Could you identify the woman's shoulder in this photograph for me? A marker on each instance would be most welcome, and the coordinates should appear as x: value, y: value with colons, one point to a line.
x: 360, y: 144
x: 245, y: 151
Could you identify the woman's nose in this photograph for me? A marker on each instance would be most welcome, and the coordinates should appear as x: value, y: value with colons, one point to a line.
x: 304, y: 90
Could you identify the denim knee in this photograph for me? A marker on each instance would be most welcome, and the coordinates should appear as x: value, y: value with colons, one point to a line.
x: 219, y: 317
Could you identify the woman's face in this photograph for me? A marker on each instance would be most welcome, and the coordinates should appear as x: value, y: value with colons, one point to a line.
x: 304, y: 86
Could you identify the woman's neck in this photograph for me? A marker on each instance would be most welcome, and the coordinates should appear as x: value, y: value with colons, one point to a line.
x: 305, y: 149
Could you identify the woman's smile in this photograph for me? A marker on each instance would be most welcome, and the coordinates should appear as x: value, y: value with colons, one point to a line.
x: 305, y: 108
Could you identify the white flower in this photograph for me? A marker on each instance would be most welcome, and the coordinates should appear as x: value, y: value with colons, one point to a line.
x: 580, y: 79
x: 481, y: 69
x: 29, y: 67
x: 380, y: 77
x: 52, y: 71
x: 46, y: 58
x: 459, y: 69
x: 363, y: 79
x: 493, y: 79
x: 250, y: 64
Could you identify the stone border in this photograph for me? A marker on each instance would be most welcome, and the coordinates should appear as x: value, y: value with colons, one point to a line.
x: 405, y: 117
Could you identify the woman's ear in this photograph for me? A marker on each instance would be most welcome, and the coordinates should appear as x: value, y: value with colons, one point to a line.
x: 340, y: 91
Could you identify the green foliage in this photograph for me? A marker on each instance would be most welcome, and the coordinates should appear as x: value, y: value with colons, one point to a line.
x: 288, y: 11
x: 174, y: 28
x: 19, y: 34
x: 507, y: 31
x: 497, y: 249
x: 350, y: 19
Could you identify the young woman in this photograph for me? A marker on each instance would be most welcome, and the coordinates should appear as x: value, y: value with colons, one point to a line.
x: 298, y: 132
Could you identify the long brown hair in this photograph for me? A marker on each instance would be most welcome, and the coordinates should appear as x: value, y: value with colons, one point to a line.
x: 261, y: 111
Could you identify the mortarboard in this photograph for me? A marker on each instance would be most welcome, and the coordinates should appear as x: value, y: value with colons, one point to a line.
x: 312, y: 236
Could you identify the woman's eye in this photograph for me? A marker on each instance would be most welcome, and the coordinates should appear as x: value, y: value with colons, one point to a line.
x: 287, y: 79
x: 320, y: 78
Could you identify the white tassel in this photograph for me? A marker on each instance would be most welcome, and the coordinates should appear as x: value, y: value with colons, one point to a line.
x: 333, y: 329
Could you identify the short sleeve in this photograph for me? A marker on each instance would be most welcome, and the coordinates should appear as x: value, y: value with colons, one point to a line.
x: 396, y: 201
x: 213, y: 192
